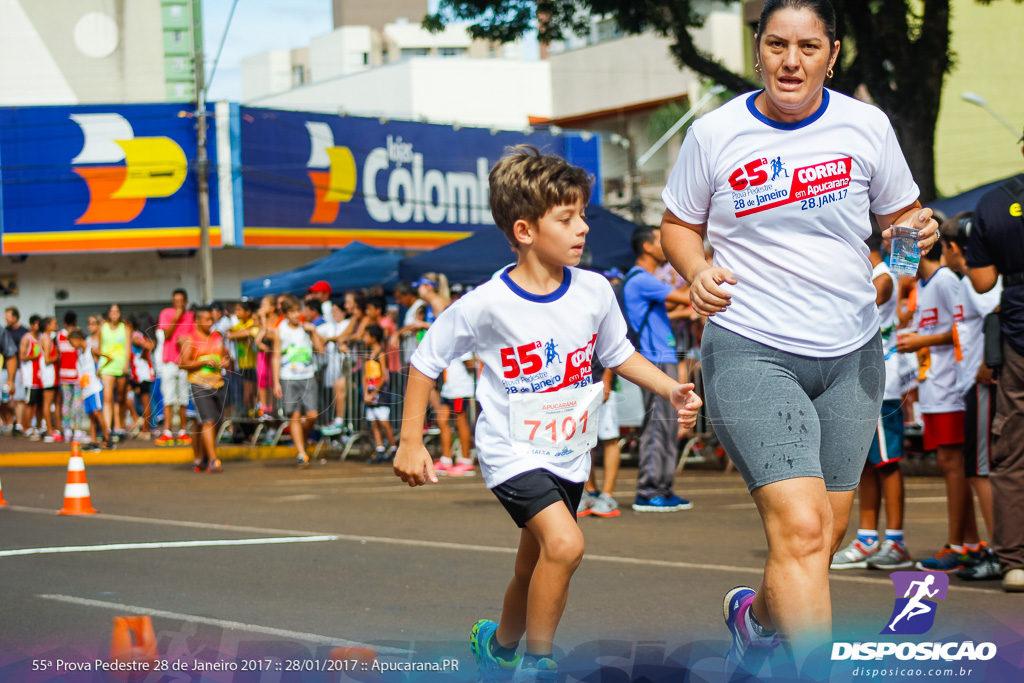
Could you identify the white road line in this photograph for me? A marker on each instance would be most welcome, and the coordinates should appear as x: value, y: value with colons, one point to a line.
x: 442, y: 545
x: 233, y: 625
x: 163, y: 544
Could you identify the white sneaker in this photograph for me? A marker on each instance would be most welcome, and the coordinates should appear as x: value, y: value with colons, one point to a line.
x: 854, y: 556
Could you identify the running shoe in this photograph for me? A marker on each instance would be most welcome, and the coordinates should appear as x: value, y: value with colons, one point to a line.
x: 32, y: 435
x: 199, y: 466
x: 333, y: 429
x: 489, y: 669
x: 183, y: 439
x: 946, y: 560
x: 985, y: 569
x: 1013, y: 581
x: 660, y: 504
x: 461, y: 470
x: 441, y: 467
x: 854, y: 556
x: 215, y: 467
x: 976, y: 556
x: 109, y: 445
x: 891, y: 555
x: 544, y: 670
x: 57, y: 437
x: 748, y: 651
x: 164, y: 439
x: 302, y: 460
x: 47, y: 438
x: 90, y: 447
x: 605, y: 506
x: 586, y: 503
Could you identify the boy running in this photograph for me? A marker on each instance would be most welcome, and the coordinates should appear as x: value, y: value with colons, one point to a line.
x: 536, y: 328
x: 91, y: 389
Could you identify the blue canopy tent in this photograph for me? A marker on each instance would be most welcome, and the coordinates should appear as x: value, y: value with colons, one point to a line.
x: 354, y: 267
x: 965, y: 201
x: 474, y: 259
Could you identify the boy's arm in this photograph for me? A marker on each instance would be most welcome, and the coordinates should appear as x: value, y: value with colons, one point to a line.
x: 275, y: 367
x: 412, y: 461
x: 188, y: 360
x: 644, y: 373
x: 318, y: 341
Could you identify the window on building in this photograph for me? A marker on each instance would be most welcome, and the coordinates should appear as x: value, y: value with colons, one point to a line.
x: 366, y: 58
x: 608, y: 29
x: 178, y: 37
x: 176, y: 11
x: 414, y: 52
x: 179, y: 89
x: 178, y: 64
x: 298, y: 74
x: 451, y: 51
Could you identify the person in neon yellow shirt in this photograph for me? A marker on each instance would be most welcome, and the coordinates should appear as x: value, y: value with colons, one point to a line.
x: 115, y: 352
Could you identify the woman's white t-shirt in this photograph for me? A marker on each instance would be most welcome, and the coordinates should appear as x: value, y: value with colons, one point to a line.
x: 786, y: 207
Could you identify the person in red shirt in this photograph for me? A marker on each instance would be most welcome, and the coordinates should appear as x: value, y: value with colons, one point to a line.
x: 70, y: 411
x: 176, y: 323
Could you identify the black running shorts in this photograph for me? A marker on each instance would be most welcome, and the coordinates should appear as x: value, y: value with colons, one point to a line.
x: 526, y: 494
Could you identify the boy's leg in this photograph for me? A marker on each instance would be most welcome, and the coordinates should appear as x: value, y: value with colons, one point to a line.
x: 561, y: 550
x: 298, y: 436
x: 959, y: 506
x: 208, y: 433
x: 339, y: 398
x: 377, y: 439
x: 512, y: 624
x: 870, y: 493
x: 462, y: 424
x: 444, y: 416
x: 893, y: 490
x: 612, y: 456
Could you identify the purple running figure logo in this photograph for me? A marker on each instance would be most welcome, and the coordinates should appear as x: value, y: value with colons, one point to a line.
x: 916, y: 593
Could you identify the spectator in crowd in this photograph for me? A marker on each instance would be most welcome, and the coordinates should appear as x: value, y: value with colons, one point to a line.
x: 176, y: 323
x: 996, y: 247
x: 375, y: 389
x: 320, y: 292
x: 91, y: 389
x: 311, y: 311
x: 72, y: 412
x: 294, y: 373
x: 794, y: 335
x: 222, y: 322
x: 51, y: 381
x: 31, y: 356
x: 244, y: 333
x: 8, y: 372
x: 266, y: 319
x: 647, y: 301
x: 942, y: 406
x: 115, y: 347
x: 143, y: 373
x: 600, y: 501
x: 204, y: 358
x: 882, y: 475
x: 12, y: 319
x: 974, y: 382
x: 434, y: 291
x: 412, y: 330
x: 336, y: 367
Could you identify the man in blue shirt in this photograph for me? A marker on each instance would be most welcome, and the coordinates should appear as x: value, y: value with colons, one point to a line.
x: 648, y: 301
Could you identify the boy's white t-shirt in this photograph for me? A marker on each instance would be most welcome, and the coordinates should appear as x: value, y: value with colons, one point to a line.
x: 528, y: 344
x: 458, y: 383
x: 936, y: 305
x: 786, y: 207
x: 888, y: 320
x: 87, y: 379
x: 969, y: 319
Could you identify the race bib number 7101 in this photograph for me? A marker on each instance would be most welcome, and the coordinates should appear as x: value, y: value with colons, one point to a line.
x: 556, y: 426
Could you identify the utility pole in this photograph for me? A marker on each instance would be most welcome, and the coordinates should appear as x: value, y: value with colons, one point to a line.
x: 202, y: 161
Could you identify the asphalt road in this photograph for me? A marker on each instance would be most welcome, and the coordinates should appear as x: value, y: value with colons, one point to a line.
x: 345, y: 554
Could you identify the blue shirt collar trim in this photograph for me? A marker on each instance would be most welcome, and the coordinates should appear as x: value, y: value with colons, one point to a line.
x: 538, y: 298
x: 795, y: 125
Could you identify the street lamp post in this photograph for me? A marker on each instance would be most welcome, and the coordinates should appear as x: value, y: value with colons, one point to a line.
x: 978, y: 100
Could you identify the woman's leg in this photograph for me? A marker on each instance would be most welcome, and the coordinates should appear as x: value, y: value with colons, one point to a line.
x: 108, y: 399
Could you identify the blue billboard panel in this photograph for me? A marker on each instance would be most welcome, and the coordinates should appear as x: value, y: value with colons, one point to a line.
x: 101, y: 178
x: 319, y: 180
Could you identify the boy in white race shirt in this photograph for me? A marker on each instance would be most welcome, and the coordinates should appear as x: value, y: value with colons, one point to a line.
x: 536, y: 328
x: 942, y: 407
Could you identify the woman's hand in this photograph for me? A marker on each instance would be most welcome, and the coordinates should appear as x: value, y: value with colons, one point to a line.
x: 922, y: 220
x: 707, y: 295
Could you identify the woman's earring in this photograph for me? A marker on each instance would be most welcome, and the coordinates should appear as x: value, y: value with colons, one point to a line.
x: 757, y: 67
x: 830, y: 73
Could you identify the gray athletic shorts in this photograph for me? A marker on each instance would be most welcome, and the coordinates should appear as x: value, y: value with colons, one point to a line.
x: 300, y: 396
x: 782, y: 416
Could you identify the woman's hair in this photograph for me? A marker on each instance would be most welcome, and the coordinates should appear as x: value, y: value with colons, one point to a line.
x: 289, y: 303
x: 821, y: 8
x: 442, y: 284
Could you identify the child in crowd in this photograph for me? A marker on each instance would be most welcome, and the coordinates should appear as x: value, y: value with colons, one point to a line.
x: 294, y: 373
x: 243, y: 333
x: 204, y: 358
x: 92, y: 390
x: 375, y: 383
x: 942, y: 407
x: 457, y: 391
x: 536, y: 328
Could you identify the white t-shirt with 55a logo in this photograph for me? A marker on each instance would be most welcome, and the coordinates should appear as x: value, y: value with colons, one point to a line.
x: 786, y: 205
x: 531, y: 344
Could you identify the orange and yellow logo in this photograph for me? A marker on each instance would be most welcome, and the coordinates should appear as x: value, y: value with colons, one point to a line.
x: 332, y: 170
x: 121, y: 170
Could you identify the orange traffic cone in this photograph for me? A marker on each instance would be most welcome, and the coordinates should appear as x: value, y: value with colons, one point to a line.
x: 2, y: 501
x: 76, y: 491
x: 125, y: 649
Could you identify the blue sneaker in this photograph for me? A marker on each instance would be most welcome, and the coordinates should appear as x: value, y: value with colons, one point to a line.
x: 946, y: 560
x: 660, y: 504
x: 488, y: 667
x: 545, y: 671
x: 748, y: 652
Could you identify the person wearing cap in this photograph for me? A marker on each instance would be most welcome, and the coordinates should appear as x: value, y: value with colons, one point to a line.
x: 996, y: 247
x: 321, y: 291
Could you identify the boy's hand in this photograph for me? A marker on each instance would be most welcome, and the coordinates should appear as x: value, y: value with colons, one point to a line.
x: 909, y: 342
x: 685, y: 401
x: 277, y: 391
x: 309, y: 327
x: 413, y: 464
